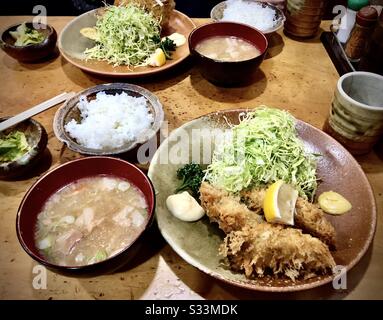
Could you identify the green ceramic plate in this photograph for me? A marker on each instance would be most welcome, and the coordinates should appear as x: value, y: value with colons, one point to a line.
x: 198, y: 242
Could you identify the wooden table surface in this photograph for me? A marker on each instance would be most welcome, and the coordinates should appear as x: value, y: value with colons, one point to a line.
x: 297, y: 76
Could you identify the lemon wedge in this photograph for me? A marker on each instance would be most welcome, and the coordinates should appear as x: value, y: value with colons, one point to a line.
x: 333, y: 203
x: 157, y: 59
x: 279, y: 203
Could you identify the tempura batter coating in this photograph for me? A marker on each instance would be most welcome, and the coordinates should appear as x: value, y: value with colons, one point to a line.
x: 161, y: 13
x: 311, y: 219
x: 308, y: 216
x: 255, y: 246
x: 225, y: 209
x: 262, y: 248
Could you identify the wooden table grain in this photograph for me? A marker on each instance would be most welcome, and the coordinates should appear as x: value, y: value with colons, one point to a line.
x: 297, y: 76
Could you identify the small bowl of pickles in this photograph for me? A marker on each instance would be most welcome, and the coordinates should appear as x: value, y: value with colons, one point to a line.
x: 28, y: 41
x: 21, y: 147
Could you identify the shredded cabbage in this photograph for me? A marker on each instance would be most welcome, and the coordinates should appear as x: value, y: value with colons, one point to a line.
x: 264, y: 148
x: 13, y: 146
x: 128, y: 35
x: 25, y: 35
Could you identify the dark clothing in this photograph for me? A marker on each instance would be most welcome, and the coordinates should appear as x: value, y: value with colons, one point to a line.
x: 196, y: 8
x: 193, y: 8
x: 54, y: 7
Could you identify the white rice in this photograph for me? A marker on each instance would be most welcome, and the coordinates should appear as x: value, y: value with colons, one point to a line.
x: 251, y: 13
x: 109, y: 121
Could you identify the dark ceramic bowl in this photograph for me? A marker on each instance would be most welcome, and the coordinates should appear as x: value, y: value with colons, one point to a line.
x: 70, y: 111
x: 224, y: 73
x: 31, y: 52
x: 63, y: 175
x: 37, y: 138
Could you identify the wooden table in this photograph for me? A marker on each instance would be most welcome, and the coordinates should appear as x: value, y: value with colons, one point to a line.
x: 297, y: 76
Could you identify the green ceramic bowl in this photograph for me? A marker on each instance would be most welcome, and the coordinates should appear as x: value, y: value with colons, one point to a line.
x: 198, y: 242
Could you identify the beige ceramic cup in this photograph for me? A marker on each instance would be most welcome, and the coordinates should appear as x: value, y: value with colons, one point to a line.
x: 356, y: 115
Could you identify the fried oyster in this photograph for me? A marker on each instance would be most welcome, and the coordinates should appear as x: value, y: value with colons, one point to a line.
x: 308, y: 216
x: 160, y: 12
x: 257, y: 247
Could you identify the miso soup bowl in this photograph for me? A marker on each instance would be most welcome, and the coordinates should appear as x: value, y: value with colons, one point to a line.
x: 228, y: 73
x: 63, y: 175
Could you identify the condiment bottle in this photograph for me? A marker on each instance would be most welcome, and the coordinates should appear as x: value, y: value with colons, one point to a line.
x: 373, y: 59
x: 348, y: 20
x: 364, y: 25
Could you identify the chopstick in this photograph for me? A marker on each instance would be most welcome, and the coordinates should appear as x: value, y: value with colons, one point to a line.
x: 35, y: 110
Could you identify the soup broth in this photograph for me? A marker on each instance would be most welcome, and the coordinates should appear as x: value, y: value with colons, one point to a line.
x: 227, y: 48
x: 90, y: 220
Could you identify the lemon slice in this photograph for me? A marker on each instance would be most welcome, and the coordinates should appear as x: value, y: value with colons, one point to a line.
x: 333, y: 203
x: 279, y: 203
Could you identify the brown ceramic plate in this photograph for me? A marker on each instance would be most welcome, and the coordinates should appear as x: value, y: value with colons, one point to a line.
x: 198, y: 242
x: 72, y: 45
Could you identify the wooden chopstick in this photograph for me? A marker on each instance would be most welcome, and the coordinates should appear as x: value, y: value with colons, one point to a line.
x: 35, y: 110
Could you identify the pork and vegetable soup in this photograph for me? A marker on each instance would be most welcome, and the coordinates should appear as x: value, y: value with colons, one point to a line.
x: 90, y: 220
x: 227, y: 48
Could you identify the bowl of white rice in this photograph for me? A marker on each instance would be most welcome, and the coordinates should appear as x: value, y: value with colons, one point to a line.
x: 108, y: 119
x: 265, y: 17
